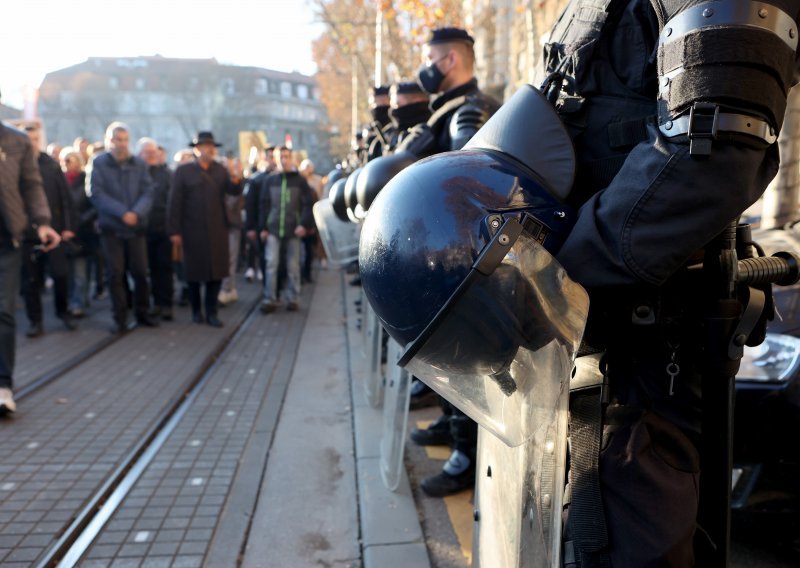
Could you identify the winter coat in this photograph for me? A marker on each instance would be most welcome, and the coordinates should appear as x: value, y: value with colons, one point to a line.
x: 116, y: 188
x: 196, y: 212
x: 285, y: 203
x: 22, y: 197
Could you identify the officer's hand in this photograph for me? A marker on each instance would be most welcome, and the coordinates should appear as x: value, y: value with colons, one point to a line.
x: 300, y: 231
x: 49, y: 237
x: 67, y: 235
x: 130, y: 218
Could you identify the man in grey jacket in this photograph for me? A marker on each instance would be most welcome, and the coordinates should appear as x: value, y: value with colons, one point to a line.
x: 121, y: 190
x: 22, y: 203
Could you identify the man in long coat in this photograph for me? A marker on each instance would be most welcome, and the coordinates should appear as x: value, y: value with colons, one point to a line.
x: 196, y: 220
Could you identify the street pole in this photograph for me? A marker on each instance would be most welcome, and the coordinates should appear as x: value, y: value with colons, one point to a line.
x: 378, y: 43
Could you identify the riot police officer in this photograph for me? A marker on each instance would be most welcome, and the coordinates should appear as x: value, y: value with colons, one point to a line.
x: 459, y: 108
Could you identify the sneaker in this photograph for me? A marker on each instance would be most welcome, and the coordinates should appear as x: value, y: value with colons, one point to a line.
x: 259, y: 275
x: 444, y: 483
x: 35, y: 330
x: 249, y: 274
x: 292, y: 306
x: 437, y: 434
x: 7, y: 404
x: 422, y: 396
x: 268, y: 307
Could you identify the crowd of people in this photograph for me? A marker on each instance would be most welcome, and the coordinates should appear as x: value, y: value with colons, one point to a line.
x: 117, y: 220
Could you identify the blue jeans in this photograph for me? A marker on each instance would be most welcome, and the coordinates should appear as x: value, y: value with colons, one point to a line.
x: 272, y: 253
x: 9, y: 288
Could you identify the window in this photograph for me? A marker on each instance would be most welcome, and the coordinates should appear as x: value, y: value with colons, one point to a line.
x: 113, y: 82
x: 140, y: 84
x: 286, y: 89
x: 302, y: 91
x: 228, y: 86
x: 261, y: 87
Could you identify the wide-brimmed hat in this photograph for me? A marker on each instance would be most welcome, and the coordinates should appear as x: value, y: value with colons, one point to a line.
x: 204, y: 138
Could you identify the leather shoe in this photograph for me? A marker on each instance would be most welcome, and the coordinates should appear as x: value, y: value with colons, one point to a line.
x: 437, y: 434
x: 267, y: 307
x: 214, y: 321
x: 422, y: 396
x: 292, y: 306
x: 119, y: 329
x: 35, y: 330
x: 197, y: 317
x: 146, y: 321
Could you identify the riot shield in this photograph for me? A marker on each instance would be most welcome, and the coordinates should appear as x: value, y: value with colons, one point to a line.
x: 340, y: 239
x: 373, y: 339
x: 395, y: 417
x: 518, y: 496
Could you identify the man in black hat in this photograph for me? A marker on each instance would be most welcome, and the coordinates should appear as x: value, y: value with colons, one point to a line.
x: 196, y: 221
x: 409, y: 106
x: 381, y: 124
x: 121, y: 190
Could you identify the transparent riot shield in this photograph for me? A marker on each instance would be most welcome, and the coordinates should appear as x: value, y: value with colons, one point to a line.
x: 339, y: 239
x: 518, y: 497
x: 395, y: 417
x: 373, y: 345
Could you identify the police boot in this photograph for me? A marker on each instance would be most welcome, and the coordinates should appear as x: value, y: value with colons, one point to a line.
x: 457, y: 475
x: 437, y: 434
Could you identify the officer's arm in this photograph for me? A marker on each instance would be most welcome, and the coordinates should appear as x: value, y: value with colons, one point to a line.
x: 466, y: 121
x: 710, y: 157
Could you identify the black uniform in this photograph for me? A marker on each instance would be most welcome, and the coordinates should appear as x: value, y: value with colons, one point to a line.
x: 626, y: 79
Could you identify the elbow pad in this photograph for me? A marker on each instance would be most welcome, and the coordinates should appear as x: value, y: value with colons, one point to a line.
x: 466, y: 121
x: 725, y: 68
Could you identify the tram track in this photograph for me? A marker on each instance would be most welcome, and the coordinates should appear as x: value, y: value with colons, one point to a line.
x: 86, y: 524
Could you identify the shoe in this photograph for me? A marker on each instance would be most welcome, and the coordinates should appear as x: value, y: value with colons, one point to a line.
x: 444, y: 483
x: 356, y: 281
x: 437, y: 434
x: 259, y: 275
x: 249, y: 274
x: 146, y: 321
x: 77, y: 313
x: 166, y: 314
x: 268, y: 307
x: 214, y: 321
x: 422, y: 396
x: 197, y: 317
x: 352, y: 268
x: 292, y: 307
x: 324, y: 263
x: 119, y: 329
x: 7, y: 404
x: 101, y: 295
x: 69, y: 323
x: 35, y: 330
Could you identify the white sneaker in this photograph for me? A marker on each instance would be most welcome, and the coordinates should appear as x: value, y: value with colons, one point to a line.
x: 259, y: 276
x: 249, y: 274
x: 7, y: 404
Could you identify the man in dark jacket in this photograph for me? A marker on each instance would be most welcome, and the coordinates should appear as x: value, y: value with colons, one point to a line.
x: 252, y: 194
x: 159, y: 245
x: 121, y: 190
x: 284, y: 218
x: 34, y: 260
x: 196, y: 221
x: 22, y: 204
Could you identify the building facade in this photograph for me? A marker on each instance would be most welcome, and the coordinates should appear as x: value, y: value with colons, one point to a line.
x: 172, y: 99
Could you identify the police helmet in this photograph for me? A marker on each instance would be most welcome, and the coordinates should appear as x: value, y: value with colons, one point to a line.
x: 377, y: 173
x: 336, y: 197
x: 350, y: 197
x: 333, y: 176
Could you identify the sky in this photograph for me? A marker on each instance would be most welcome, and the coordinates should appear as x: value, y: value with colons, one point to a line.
x: 39, y: 36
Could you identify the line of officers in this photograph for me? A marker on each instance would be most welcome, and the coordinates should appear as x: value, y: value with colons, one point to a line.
x: 438, y: 112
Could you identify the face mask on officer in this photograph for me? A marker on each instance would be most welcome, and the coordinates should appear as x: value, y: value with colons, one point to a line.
x: 409, y: 115
x: 380, y: 114
x: 430, y: 77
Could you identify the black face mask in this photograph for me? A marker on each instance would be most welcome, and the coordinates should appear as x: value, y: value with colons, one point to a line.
x: 380, y: 114
x: 430, y: 77
x: 409, y: 115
